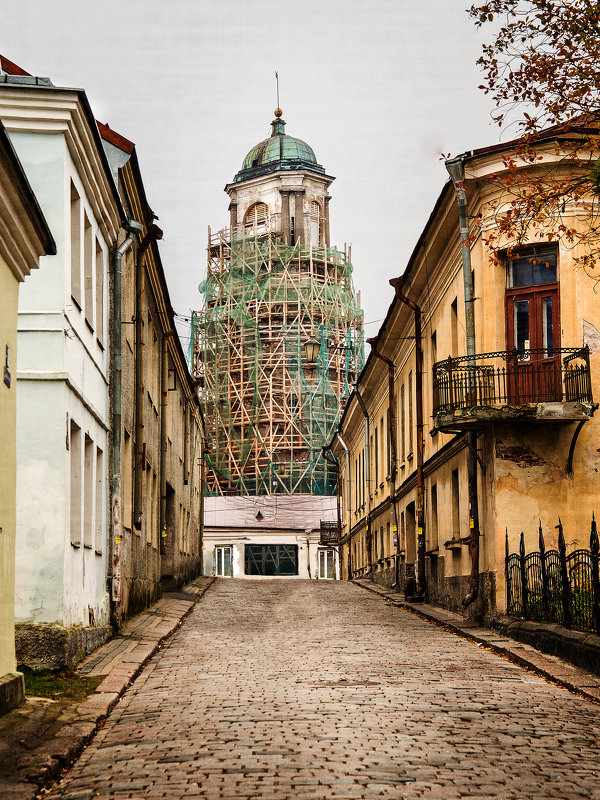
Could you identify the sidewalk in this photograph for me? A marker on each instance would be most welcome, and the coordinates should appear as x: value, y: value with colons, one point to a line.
x: 548, y: 666
x: 41, y: 737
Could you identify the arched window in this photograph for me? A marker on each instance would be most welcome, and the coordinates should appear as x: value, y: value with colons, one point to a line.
x: 255, y: 219
x: 315, y: 223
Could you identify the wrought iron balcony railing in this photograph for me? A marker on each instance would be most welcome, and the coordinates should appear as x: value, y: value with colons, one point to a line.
x: 512, y: 378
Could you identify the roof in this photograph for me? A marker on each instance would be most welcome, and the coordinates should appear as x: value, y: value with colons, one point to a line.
x: 115, y: 138
x: 300, y: 512
x: 278, y: 152
x: 11, y: 68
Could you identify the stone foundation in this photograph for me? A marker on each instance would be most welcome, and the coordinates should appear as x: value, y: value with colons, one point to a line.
x: 54, y: 647
x: 12, y: 691
x: 446, y: 591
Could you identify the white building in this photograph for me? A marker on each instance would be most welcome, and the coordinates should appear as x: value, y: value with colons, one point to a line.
x: 270, y: 536
x: 63, y: 418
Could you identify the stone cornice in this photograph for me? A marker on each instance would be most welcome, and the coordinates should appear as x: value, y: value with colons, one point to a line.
x: 50, y: 110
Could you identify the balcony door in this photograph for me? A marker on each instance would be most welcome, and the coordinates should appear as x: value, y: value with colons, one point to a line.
x: 533, y: 328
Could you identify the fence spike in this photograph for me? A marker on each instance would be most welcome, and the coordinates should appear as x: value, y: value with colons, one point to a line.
x: 594, y: 544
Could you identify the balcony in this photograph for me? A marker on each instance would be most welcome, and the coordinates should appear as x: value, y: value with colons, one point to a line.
x: 533, y: 385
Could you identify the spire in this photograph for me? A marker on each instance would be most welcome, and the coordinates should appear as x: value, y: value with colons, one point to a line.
x: 278, y: 124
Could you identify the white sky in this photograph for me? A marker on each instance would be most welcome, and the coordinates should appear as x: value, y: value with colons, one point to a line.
x: 377, y: 89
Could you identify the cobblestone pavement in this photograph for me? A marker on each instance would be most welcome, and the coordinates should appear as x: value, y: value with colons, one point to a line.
x: 295, y: 689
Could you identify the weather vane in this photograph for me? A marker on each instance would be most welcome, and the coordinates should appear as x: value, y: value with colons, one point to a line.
x: 277, y: 82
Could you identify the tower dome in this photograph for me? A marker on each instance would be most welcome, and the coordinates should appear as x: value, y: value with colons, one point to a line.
x: 278, y: 152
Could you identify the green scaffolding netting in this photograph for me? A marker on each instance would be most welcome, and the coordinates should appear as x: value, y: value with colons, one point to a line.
x: 269, y: 412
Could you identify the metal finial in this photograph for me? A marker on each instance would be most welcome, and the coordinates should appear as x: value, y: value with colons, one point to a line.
x: 278, y: 111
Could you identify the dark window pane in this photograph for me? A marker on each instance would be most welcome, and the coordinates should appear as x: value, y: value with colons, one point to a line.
x: 533, y: 268
x: 522, y: 325
x: 271, y: 559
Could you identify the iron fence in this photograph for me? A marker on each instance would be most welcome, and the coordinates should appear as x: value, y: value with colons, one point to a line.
x: 512, y: 377
x: 551, y: 586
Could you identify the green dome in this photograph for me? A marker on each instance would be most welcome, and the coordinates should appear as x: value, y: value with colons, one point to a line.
x: 278, y: 152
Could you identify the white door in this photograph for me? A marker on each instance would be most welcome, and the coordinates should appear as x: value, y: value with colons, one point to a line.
x: 223, y: 562
x: 327, y: 564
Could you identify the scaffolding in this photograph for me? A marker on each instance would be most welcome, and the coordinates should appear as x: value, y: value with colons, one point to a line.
x: 268, y: 412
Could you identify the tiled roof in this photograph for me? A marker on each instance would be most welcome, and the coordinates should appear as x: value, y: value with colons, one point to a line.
x: 115, y: 138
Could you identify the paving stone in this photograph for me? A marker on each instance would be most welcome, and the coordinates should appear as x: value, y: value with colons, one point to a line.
x: 287, y: 689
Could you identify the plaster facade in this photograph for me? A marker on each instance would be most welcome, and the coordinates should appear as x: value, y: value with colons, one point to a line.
x: 24, y: 238
x: 523, y: 445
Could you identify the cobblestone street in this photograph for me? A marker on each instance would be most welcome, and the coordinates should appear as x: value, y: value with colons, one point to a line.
x: 293, y: 689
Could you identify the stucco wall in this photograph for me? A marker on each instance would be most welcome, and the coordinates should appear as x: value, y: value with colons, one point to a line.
x: 9, y: 288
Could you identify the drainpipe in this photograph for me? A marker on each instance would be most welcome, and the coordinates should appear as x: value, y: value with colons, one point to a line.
x: 348, y: 502
x: 456, y: 170
x: 133, y: 228
x: 154, y: 232
x: 420, y: 504
x: 164, y: 393
x: 367, y: 473
x: 334, y: 461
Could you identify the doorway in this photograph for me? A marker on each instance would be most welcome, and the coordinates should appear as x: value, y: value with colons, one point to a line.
x: 533, y: 328
x: 223, y: 562
x: 327, y: 565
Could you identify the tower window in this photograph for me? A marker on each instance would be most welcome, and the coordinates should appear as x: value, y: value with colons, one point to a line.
x: 315, y: 223
x: 255, y: 219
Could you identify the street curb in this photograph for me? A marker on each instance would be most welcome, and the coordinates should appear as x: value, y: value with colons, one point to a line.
x: 506, y: 652
x: 89, y: 724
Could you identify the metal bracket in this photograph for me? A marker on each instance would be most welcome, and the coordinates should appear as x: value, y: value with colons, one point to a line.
x: 576, y: 432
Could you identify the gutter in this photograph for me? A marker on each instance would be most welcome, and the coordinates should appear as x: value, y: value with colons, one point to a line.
x: 456, y: 170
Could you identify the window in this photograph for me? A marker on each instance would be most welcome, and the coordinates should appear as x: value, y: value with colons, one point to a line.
x: 99, y: 506
x: 535, y: 266
x: 255, y: 219
x: 126, y: 481
x: 88, y: 480
x: 434, y: 517
x: 88, y: 287
x: 455, y: 505
x: 315, y: 223
x: 388, y: 444
x: 75, y: 483
x: 402, y: 422
x: 454, y: 326
x: 410, y: 414
x: 376, y: 459
x: 75, y: 247
x: 271, y: 559
x: 100, y: 293
x: 381, y: 543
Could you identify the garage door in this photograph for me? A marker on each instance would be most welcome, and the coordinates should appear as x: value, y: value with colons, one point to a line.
x: 271, y: 559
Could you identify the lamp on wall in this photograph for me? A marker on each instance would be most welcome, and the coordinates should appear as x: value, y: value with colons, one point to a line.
x: 311, y: 350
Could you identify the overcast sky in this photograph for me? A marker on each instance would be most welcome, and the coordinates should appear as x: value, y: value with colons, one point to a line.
x: 379, y: 90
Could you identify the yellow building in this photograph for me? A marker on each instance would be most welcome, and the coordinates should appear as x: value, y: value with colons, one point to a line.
x: 24, y: 237
x: 448, y: 444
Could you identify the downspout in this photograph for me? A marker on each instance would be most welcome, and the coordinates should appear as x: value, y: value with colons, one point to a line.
x: 456, y: 170
x: 333, y: 460
x: 154, y: 232
x: 348, y: 502
x: 164, y: 393
x: 420, y: 504
x: 369, y: 536
x: 133, y: 228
